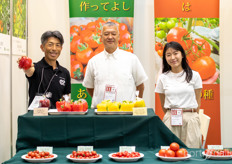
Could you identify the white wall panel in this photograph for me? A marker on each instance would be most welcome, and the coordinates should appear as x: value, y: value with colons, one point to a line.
x: 225, y: 69
x: 5, y: 118
x: 19, y: 97
x: 44, y: 15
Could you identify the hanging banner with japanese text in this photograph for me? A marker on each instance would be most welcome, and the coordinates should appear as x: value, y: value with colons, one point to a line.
x: 195, y: 25
x: 86, y: 20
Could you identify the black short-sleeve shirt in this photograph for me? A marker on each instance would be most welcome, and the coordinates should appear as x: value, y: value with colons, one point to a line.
x: 59, y: 79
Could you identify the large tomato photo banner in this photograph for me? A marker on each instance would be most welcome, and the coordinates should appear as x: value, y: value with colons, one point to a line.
x: 195, y: 25
x: 86, y: 20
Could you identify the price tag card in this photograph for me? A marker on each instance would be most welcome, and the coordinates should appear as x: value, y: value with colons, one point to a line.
x: 140, y: 111
x: 84, y: 148
x: 176, y: 117
x: 45, y: 149
x: 127, y: 148
x: 40, y: 112
x: 215, y: 147
x: 164, y: 147
x: 110, y: 93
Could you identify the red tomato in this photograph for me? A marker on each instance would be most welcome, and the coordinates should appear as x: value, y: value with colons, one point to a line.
x: 91, y: 38
x: 75, y: 43
x: 180, y: 35
x: 160, y: 53
x: 74, y: 31
x: 158, y: 46
x: 44, y: 103
x: 99, y: 49
x: 174, y: 146
x: 91, y: 26
x: 76, y: 70
x: 84, y: 103
x: 162, y: 152
x: 125, y: 37
x: 181, y: 153
x: 72, y: 58
x: 205, y: 66
x: 199, y: 48
x: 126, y: 46
x: 122, y: 27
x: 25, y: 63
x: 58, y: 107
x: 170, y: 153
x: 84, y: 53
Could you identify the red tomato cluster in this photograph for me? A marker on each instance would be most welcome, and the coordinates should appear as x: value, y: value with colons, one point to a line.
x: 39, y: 155
x: 84, y: 154
x: 44, y: 103
x: 85, y: 42
x: 25, y: 63
x: 126, y: 154
x: 214, y: 152
x: 173, y: 151
x: 80, y: 105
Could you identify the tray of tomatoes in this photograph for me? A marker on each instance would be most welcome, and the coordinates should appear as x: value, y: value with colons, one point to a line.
x: 84, y: 156
x: 38, y: 157
x: 223, y: 154
x: 126, y: 156
x: 79, y: 107
x: 174, y: 153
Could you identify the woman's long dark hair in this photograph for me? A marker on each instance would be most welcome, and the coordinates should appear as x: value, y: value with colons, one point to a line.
x: 184, y: 63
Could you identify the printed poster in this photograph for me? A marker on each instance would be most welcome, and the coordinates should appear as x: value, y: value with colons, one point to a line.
x: 195, y: 25
x: 86, y: 20
x: 5, y: 27
x: 19, y: 27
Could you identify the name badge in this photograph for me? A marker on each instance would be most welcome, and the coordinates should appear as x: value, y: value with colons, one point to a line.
x: 176, y: 117
x: 110, y: 93
x: 127, y: 148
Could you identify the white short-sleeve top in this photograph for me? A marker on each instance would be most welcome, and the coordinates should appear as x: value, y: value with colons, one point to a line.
x: 178, y: 92
x: 121, y: 68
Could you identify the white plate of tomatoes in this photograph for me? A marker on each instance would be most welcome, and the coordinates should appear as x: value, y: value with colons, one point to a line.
x: 34, y: 157
x: 84, y: 160
x: 84, y: 156
x: 173, y: 158
x: 224, y: 154
x: 126, y: 157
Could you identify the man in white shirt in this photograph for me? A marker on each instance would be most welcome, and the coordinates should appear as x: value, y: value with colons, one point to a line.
x: 113, y: 74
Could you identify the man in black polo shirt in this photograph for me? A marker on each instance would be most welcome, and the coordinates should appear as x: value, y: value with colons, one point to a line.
x: 47, y: 77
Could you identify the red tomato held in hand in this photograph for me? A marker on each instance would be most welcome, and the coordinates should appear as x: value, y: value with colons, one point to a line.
x: 174, y: 146
x: 162, y: 152
x: 180, y: 35
x: 205, y: 66
x: 170, y: 153
x: 25, y: 63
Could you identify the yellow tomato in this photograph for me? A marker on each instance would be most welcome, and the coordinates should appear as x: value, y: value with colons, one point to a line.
x: 139, y: 103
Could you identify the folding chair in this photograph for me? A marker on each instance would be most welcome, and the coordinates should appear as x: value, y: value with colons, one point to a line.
x: 205, y: 120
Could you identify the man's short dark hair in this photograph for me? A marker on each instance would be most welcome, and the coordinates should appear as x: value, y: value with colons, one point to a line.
x: 48, y: 34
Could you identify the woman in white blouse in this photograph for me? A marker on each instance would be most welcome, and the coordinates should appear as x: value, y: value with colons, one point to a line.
x: 179, y: 89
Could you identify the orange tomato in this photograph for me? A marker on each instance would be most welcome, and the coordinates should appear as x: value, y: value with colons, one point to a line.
x: 205, y: 66
x: 75, y: 43
x: 84, y: 53
x: 181, y: 153
x: 162, y: 152
x: 125, y: 37
x: 170, y: 153
x: 174, y: 146
x: 160, y: 53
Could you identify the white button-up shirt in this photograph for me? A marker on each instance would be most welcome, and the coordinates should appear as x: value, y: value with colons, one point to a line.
x: 121, y: 69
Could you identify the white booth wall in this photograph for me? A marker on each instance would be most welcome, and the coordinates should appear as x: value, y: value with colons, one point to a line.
x: 46, y: 15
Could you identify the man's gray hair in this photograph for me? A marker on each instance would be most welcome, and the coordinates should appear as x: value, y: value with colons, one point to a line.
x: 48, y: 34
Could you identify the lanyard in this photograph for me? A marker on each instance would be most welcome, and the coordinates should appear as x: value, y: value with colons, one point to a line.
x: 48, y: 83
